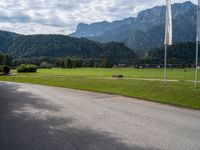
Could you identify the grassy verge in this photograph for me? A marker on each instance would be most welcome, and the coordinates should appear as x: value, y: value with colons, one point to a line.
x: 175, y: 93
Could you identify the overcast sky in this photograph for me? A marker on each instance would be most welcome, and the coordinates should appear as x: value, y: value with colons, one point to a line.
x: 63, y: 16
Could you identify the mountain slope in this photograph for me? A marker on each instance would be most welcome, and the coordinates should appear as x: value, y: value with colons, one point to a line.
x: 97, y: 29
x: 147, y: 29
x: 6, y: 39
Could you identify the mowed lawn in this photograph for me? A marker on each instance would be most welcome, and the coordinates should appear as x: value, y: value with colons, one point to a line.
x: 181, y: 93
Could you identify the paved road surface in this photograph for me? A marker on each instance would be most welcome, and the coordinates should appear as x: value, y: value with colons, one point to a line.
x: 34, y: 117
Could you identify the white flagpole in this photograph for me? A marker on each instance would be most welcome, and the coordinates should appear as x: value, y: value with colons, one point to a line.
x: 196, y: 74
x: 165, y: 65
x: 168, y: 35
x: 197, y: 44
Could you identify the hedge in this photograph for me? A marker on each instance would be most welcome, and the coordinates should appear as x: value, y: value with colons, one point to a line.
x: 27, y: 68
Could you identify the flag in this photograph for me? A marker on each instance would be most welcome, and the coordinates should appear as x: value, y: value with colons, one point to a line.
x: 197, y: 43
x: 168, y: 23
x: 198, y: 21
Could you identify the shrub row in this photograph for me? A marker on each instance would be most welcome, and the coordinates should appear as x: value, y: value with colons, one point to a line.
x: 27, y: 68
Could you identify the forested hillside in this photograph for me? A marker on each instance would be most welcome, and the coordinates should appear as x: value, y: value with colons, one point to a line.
x: 60, y: 46
x: 61, y: 50
x: 179, y: 53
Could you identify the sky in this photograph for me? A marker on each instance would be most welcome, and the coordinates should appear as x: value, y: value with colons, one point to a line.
x: 63, y: 16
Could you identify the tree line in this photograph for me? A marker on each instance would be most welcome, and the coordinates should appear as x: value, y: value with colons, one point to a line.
x: 67, y: 62
x: 5, y: 59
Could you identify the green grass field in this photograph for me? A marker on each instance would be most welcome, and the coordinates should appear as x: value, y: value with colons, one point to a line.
x: 181, y: 93
x: 175, y: 74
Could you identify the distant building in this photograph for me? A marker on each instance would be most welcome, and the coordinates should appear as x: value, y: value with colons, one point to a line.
x: 158, y: 66
x: 120, y: 66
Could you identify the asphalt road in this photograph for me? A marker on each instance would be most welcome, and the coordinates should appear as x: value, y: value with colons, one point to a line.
x: 34, y: 117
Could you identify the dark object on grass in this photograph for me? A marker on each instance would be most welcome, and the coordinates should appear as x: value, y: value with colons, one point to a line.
x: 6, y: 70
x: 27, y: 68
x: 117, y: 76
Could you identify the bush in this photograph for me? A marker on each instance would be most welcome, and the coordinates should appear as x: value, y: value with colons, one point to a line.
x: 27, y: 68
x: 45, y: 64
x: 6, y: 69
x: 1, y: 69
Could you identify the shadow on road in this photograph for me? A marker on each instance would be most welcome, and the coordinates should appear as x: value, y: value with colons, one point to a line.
x: 21, y: 131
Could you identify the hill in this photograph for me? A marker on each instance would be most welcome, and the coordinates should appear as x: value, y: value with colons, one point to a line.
x: 146, y: 31
x: 60, y: 46
x: 38, y: 48
x: 179, y: 53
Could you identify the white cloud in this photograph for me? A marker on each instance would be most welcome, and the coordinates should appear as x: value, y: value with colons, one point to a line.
x: 62, y: 16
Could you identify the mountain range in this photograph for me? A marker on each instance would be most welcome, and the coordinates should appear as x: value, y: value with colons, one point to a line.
x: 145, y: 31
